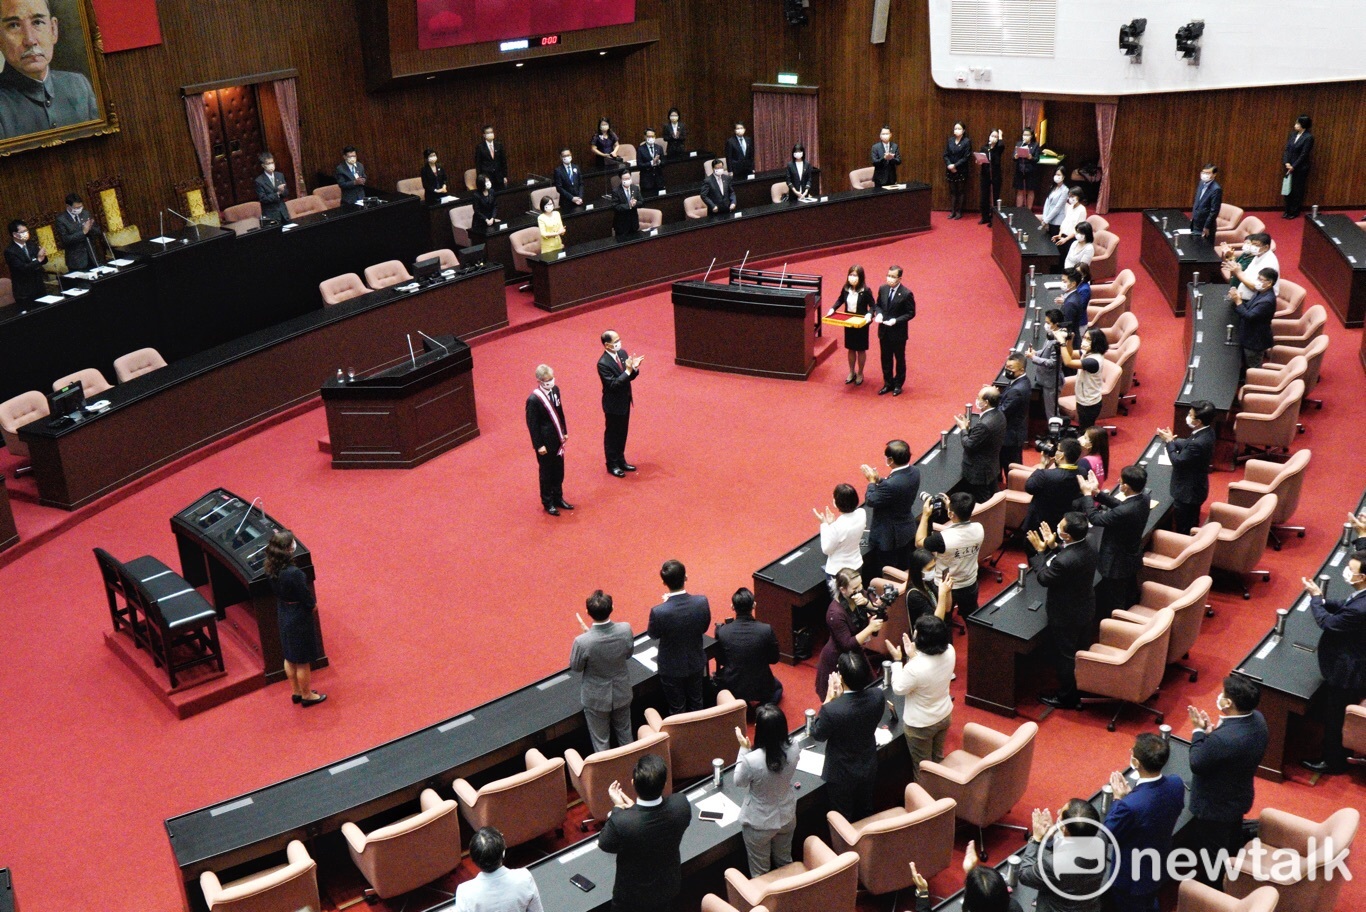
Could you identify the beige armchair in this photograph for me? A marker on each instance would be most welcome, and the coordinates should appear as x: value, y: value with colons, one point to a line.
x: 694, y: 207
x: 888, y: 842
x: 1194, y: 896
x: 330, y: 195
x: 462, y: 218
x: 307, y: 204
x: 1125, y: 325
x: 14, y: 414
x: 1178, y: 560
x: 136, y: 363
x: 386, y: 274
x: 91, y: 380
x: 410, y: 853
x: 696, y: 738
x: 1296, y: 856
x: 241, y: 212
x: 1127, y: 665
x: 822, y: 881
x: 445, y: 255
x: 521, y: 806
x: 1188, y: 609
x: 650, y: 218
x: 986, y: 777
x: 1354, y: 729
x: 1301, y: 330
x: 411, y: 186
x: 1097, y: 222
x: 1268, y: 424
x: 1017, y: 498
x: 290, y: 887
x: 1105, y: 260
x: 525, y: 243
x: 1229, y: 216
x: 6, y: 293
x: 470, y: 175
x: 1273, y: 381
x: 1290, y: 299
x: 1242, y: 541
x: 713, y: 903
x: 1285, y: 480
x: 342, y: 288
x: 1105, y: 292
x: 542, y: 193
x: 778, y: 192
x: 1237, y: 234
x: 1103, y: 314
x: 1126, y: 356
x: 1281, y: 354
x: 861, y: 178
x: 590, y: 776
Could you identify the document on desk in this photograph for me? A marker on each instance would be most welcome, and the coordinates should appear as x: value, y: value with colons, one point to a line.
x: 721, y: 804
x: 447, y: 199
x: 163, y: 240
x: 1270, y: 645
x: 1054, y: 285
x: 809, y: 761
x: 1182, y: 231
x: 1163, y: 458
x: 82, y: 276
x: 121, y: 262
x: 75, y: 292
x: 50, y: 299
x: 649, y: 658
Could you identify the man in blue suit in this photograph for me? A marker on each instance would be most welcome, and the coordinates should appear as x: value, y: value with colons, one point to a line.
x: 1254, y: 318
x: 892, y: 500
x: 1142, y: 820
x: 350, y: 175
x: 1342, y: 658
x: 568, y: 181
x: 1191, y: 459
x: 1209, y: 197
x: 679, y: 623
x: 1015, y: 406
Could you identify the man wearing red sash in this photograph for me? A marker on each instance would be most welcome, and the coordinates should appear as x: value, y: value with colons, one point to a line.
x: 545, y: 421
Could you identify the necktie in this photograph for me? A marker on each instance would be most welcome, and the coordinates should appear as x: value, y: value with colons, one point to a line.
x: 742, y: 145
x: 621, y: 362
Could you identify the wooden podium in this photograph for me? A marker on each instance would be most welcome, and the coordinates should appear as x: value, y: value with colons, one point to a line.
x: 400, y: 417
x: 745, y: 329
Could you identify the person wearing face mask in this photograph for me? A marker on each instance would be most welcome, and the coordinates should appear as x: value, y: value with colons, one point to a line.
x: 957, y: 548
x: 740, y: 154
x: 891, y: 529
x: 350, y: 175
x: 1066, y: 567
x: 490, y: 159
x: 841, y: 535
x: 990, y: 174
x: 893, y: 313
x: 433, y: 178
x: 617, y: 370
x: 1224, y: 757
x: 1074, y: 300
x: 1209, y: 198
x: 485, y: 206
x: 675, y: 134
x: 957, y: 158
x: 551, y: 225
x: 1298, y: 154
x: 718, y: 190
x: 1191, y: 459
x: 271, y: 190
x: 1081, y: 250
x: 568, y: 181
x: 1090, y: 374
x: 1026, y: 157
x: 626, y: 206
x: 886, y: 156
x: 1342, y: 659
x: 1142, y: 819
x: 856, y: 299
x: 1073, y: 214
x: 651, y: 156
x: 983, y: 435
x: 1054, y: 485
x: 1015, y: 407
x: 1244, y: 277
x: 1046, y: 361
x: 76, y: 232
x: 605, y: 146
x: 26, y: 260
x: 1124, y: 517
x: 1055, y: 205
x: 1254, y: 319
x: 798, y: 175
x: 923, y: 679
x: 545, y: 421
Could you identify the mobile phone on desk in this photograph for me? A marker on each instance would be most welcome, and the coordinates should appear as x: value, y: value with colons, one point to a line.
x: 710, y: 815
x: 583, y: 883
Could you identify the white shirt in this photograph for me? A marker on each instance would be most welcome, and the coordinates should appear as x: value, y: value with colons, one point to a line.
x: 1091, y: 385
x: 962, y: 544
x: 924, y: 682
x: 504, y: 890
x: 840, y: 541
x: 1265, y: 261
x: 1079, y: 253
x: 1071, y: 216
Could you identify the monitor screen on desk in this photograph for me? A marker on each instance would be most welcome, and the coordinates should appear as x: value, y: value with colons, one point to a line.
x: 425, y: 269
x: 68, y: 400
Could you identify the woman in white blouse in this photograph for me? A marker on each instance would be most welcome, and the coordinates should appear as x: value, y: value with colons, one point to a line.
x: 923, y: 679
x: 841, y: 535
x: 1073, y: 214
x: 1083, y: 248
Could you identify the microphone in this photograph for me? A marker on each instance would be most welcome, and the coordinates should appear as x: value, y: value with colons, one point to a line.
x: 434, y: 342
x: 411, y: 354
x: 539, y: 178
x: 189, y: 222
x: 713, y: 263
x: 244, y: 517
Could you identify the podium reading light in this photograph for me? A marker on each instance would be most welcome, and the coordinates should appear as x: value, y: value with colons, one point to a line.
x: 1188, y: 40
x: 1128, y: 39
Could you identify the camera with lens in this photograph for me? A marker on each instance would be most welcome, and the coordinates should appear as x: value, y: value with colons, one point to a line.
x: 879, y: 602
x: 1058, y: 428
x: 939, y: 507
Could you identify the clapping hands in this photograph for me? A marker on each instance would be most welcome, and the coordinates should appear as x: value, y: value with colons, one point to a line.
x: 1119, y: 785
x: 825, y: 517
x: 740, y: 737
x: 906, y: 649
x: 1200, y: 720
x: 835, y: 687
x: 620, y: 800
x: 1041, y: 821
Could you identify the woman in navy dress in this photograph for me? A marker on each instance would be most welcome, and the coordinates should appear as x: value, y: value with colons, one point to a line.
x: 294, y: 608
x: 1025, y: 168
x: 605, y: 144
x: 851, y: 627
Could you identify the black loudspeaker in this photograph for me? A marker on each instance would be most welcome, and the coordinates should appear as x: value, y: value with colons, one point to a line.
x: 471, y: 256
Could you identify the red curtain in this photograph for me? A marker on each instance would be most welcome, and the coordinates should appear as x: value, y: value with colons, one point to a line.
x: 203, y: 144
x: 781, y: 120
x: 287, y: 97
x: 127, y: 24
x: 1031, y: 110
x: 1105, y: 132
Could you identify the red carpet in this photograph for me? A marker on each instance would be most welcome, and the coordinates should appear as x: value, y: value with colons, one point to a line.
x: 445, y: 586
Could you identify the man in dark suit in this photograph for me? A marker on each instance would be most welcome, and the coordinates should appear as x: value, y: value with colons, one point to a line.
x: 1066, y: 565
x: 740, y: 154
x: 892, y: 500
x: 617, y: 370
x: 1142, y: 819
x: 600, y: 654
x: 1254, y: 318
x: 745, y: 648
x: 271, y: 190
x: 1191, y: 459
x: 679, y: 623
x: 983, y: 436
x: 1053, y: 487
x: 1209, y: 197
x: 847, y: 723
x: 894, y: 311
x: 886, y: 156
x: 350, y: 175
x: 1342, y: 659
x: 1015, y: 406
x: 650, y: 156
x: 718, y: 190
x: 76, y: 232
x: 545, y: 421
x: 645, y: 835
x: 25, y: 260
x: 490, y: 159
x: 1223, y: 760
x: 1124, y: 517
x: 626, y: 206
x: 1297, y: 157
x: 568, y: 181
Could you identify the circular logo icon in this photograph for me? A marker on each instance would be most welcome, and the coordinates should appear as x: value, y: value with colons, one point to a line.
x: 1079, y: 855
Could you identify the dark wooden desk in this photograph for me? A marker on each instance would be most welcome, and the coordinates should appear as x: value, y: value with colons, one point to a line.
x: 745, y: 329
x: 1174, y: 260
x: 400, y: 417
x: 1287, y: 668
x: 1213, y: 363
x: 1014, y: 255
x: 9, y: 534
x: 7, y: 901
x: 599, y: 268
x: 163, y: 415
x: 1333, y: 256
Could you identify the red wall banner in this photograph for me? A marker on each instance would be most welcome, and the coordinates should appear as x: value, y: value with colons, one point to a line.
x: 127, y: 24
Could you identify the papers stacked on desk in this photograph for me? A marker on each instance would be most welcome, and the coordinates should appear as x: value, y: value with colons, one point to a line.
x: 75, y: 292
x: 80, y: 276
x: 50, y: 299
x: 121, y: 262
x: 809, y: 761
x: 647, y: 657
x: 720, y: 804
x: 447, y: 199
x: 1182, y: 231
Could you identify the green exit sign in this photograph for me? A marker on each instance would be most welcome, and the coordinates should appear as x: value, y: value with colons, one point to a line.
x: 787, y: 79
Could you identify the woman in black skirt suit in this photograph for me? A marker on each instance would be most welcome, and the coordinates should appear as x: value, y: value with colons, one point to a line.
x: 294, y: 605
x: 485, y: 207
x: 957, y: 160
x: 855, y: 298
x: 1025, y: 168
x: 433, y: 178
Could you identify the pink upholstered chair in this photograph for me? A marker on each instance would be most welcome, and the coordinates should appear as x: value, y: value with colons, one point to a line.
x: 1188, y: 615
x: 411, y: 852
x: 1242, y: 541
x: 1126, y: 356
x: 1125, y: 325
x: 521, y: 806
x: 590, y: 776
x: 330, y: 194
x: 1178, y: 560
x: 694, y: 208
x: 1127, y: 665
x: 462, y: 217
x: 1098, y: 222
x: 1105, y: 260
x: 823, y: 881
x: 1281, y: 354
x: 241, y: 212
x: 1290, y: 299
x: 243, y: 226
x: 889, y: 841
x: 986, y: 777
x: 538, y: 195
x: 1017, y: 498
x: 1229, y: 216
x: 470, y: 175
x: 1309, y: 882
x: 778, y: 192
x: 696, y: 738
x: 1110, y: 374
x: 1271, y: 381
x: 305, y: 205
x: 1282, y: 479
x: 342, y: 288
x: 383, y: 275
x: 1301, y: 330
x: 137, y: 363
x: 14, y: 414
x: 1121, y: 284
x: 1354, y: 729
x: 1104, y: 315
x: 1236, y: 235
x: 447, y: 257
x: 411, y: 186
x: 861, y: 178
x: 1194, y: 896
x: 290, y: 887
x: 650, y: 218
x: 525, y: 243
x: 6, y: 292
x: 713, y: 903
x: 91, y: 380
x: 1268, y: 424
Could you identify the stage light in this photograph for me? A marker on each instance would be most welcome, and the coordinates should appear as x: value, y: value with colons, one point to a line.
x: 1188, y: 40
x: 1128, y: 39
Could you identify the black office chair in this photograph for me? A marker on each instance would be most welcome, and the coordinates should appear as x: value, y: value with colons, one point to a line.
x: 182, y: 626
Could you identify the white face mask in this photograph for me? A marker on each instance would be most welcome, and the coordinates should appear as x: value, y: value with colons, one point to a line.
x: 1057, y: 178
x: 929, y: 575
x: 626, y: 183
x: 853, y: 280
x: 1190, y: 422
x: 1206, y: 178
x: 1248, y: 248
x: 566, y: 159
x: 548, y: 385
x: 614, y: 346
x: 431, y: 162
x: 1348, y: 576
x: 798, y: 155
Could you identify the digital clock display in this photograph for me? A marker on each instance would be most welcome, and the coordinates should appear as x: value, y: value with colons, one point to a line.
x: 549, y: 40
